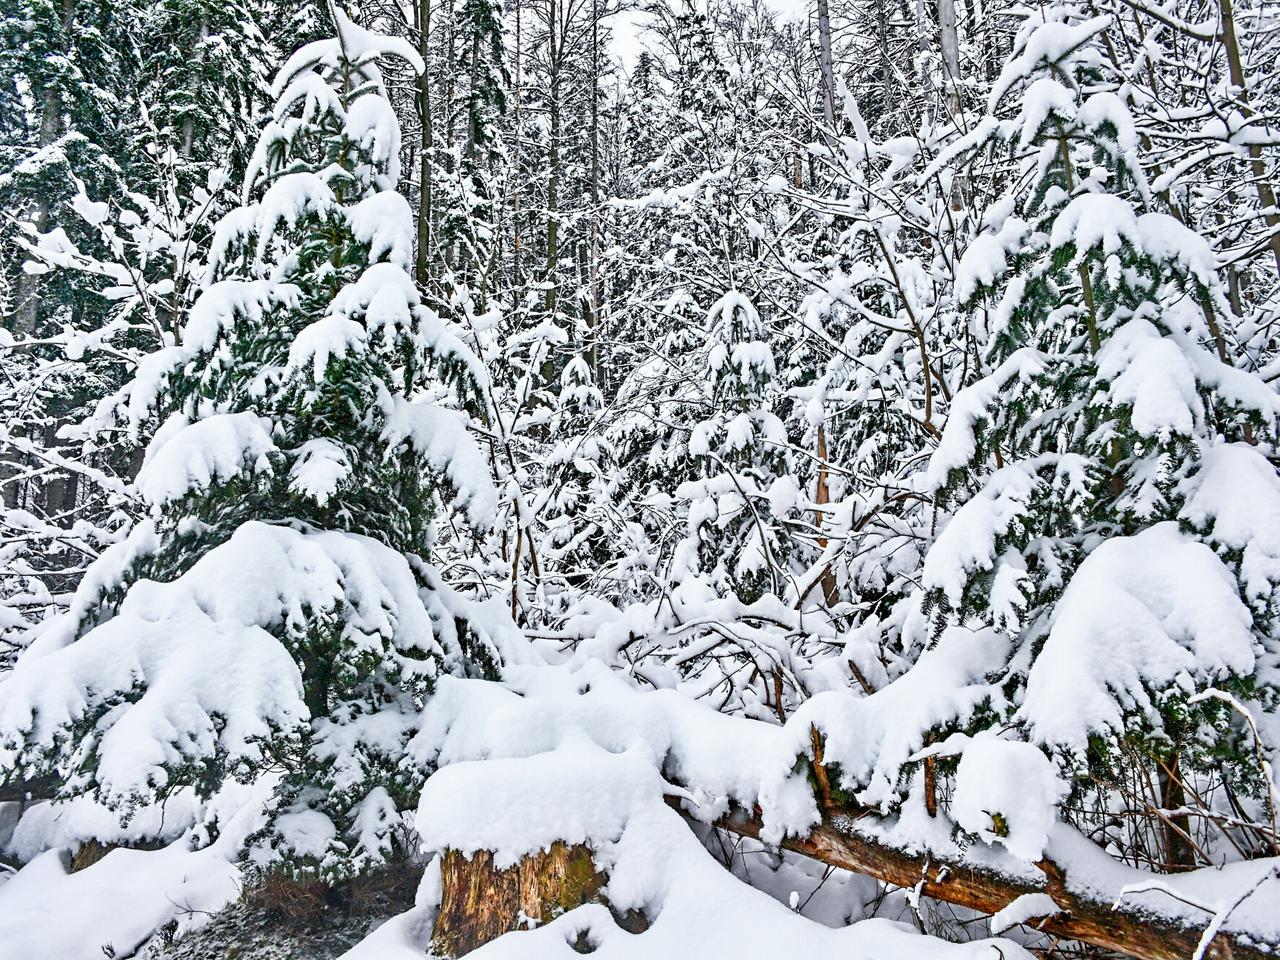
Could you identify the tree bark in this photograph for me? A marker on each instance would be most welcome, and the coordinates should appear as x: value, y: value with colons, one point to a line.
x: 594, y: 311
x: 553, y: 163
x: 1178, y: 853
x: 949, y: 42
x: 822, y: 495
x: 89, y: 853
x: 480, y: 903
x: 1127, y: 929
x: 518, y: 133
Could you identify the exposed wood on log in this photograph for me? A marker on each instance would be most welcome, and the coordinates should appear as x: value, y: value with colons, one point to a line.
x: 480, y: 902
x: 1129, y: 929
x: 89, y: 853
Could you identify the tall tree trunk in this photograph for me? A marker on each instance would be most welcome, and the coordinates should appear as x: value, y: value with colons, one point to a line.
x: 553, y: 165
x: 189, y: 124
x: 515, y: 164
x: 950, y: 45
x: 594, y: 267
x: 450, y: 61
x: 1257, y: 166
x: 424, y: 171
x: 886, y: 64
x: 822, y: 495
x: 26, y: 315
x: 828, y: 72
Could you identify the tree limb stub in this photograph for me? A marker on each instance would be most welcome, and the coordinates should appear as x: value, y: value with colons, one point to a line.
x: 1127, y: 929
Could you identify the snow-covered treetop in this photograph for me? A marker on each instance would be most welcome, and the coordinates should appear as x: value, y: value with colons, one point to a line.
x: 289, y: 323
x: 338, y: 85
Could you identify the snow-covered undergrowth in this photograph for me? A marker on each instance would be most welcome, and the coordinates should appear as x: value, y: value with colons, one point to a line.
x: 119, y: 903
x: 513, y: 755
x: 576, y: 752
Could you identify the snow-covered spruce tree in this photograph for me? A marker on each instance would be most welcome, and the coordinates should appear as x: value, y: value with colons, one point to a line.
x: 577, y: 504
x: 274, y: 614
x: 1114, y: 533
x: 735, y: 509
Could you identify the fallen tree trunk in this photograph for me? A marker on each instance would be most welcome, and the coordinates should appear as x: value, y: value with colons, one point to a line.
x: 1127, y: 929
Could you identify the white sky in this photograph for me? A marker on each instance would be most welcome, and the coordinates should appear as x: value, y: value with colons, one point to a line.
x: 628, y: 28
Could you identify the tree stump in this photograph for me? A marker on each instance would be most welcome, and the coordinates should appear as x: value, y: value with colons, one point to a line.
x: 89, y: 853
x: 480, y: 903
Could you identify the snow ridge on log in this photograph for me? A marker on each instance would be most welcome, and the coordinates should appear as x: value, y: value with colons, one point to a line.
x: 1131, y: 929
